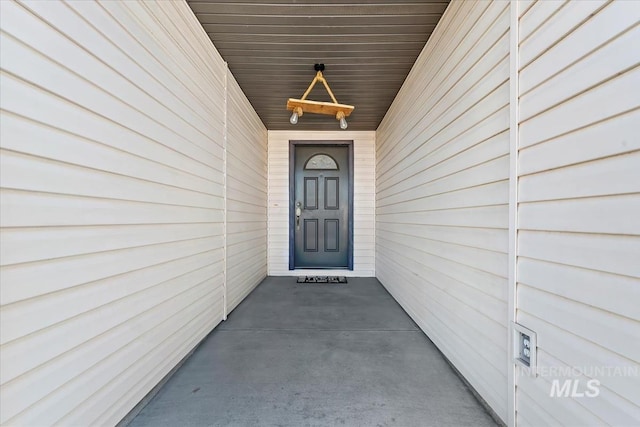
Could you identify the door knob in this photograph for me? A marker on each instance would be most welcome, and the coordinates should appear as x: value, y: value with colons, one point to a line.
x: 298, y: 213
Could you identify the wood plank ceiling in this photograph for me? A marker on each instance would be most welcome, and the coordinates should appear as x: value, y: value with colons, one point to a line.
x: 367, y: 46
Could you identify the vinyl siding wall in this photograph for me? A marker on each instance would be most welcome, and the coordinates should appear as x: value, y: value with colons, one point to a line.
x: 246, y: 186
x: 112, y: 256
x: 442, y: 217
x: 364, y: 199
x: 579, y: 204
x: 442, y: 193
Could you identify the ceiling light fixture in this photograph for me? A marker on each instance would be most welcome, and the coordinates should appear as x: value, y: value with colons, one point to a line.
x: 300, y: 106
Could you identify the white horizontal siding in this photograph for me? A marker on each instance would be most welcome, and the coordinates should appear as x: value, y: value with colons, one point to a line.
x: 579, y: 204
x: 246, y: 217
x: 364, y: 199
x: 442, y: 193
x: 112, y: 215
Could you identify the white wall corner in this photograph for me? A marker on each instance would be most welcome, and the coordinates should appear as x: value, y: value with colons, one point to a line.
x: 224, y: 192
x: 514, y: 65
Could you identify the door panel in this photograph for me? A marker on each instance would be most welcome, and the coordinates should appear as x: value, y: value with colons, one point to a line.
x: 310, y: 193
x: 310, y: 235
x: 332, y: 235
x: 332, y: 193
x: 321, y: 193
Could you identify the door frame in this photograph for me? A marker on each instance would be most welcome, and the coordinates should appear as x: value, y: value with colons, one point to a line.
x: 292, y: 160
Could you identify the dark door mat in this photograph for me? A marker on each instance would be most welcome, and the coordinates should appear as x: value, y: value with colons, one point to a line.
x: 322, y: 279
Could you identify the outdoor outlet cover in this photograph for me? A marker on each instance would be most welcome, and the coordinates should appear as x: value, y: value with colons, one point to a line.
x: 524, y: 346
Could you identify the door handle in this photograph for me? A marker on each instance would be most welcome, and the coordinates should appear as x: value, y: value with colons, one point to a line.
x: 298, y: 213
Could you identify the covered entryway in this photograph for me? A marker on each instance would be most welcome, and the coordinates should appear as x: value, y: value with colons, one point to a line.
x: 316, y: 355
x: 145, y: 192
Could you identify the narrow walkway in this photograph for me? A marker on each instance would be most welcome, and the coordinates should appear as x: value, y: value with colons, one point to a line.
x: 315, y: 355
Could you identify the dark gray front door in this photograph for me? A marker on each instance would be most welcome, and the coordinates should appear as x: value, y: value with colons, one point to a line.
x: 321, y: 206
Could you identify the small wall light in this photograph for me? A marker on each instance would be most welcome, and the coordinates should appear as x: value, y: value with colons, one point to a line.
x: 300, y: 106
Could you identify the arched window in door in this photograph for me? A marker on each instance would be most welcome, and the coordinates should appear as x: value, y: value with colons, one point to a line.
x: 321, y: 162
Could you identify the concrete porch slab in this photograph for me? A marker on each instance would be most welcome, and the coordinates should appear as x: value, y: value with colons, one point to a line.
x: 315, y: 355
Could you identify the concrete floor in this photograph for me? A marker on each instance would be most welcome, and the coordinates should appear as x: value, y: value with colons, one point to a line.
x: 315, y: 355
